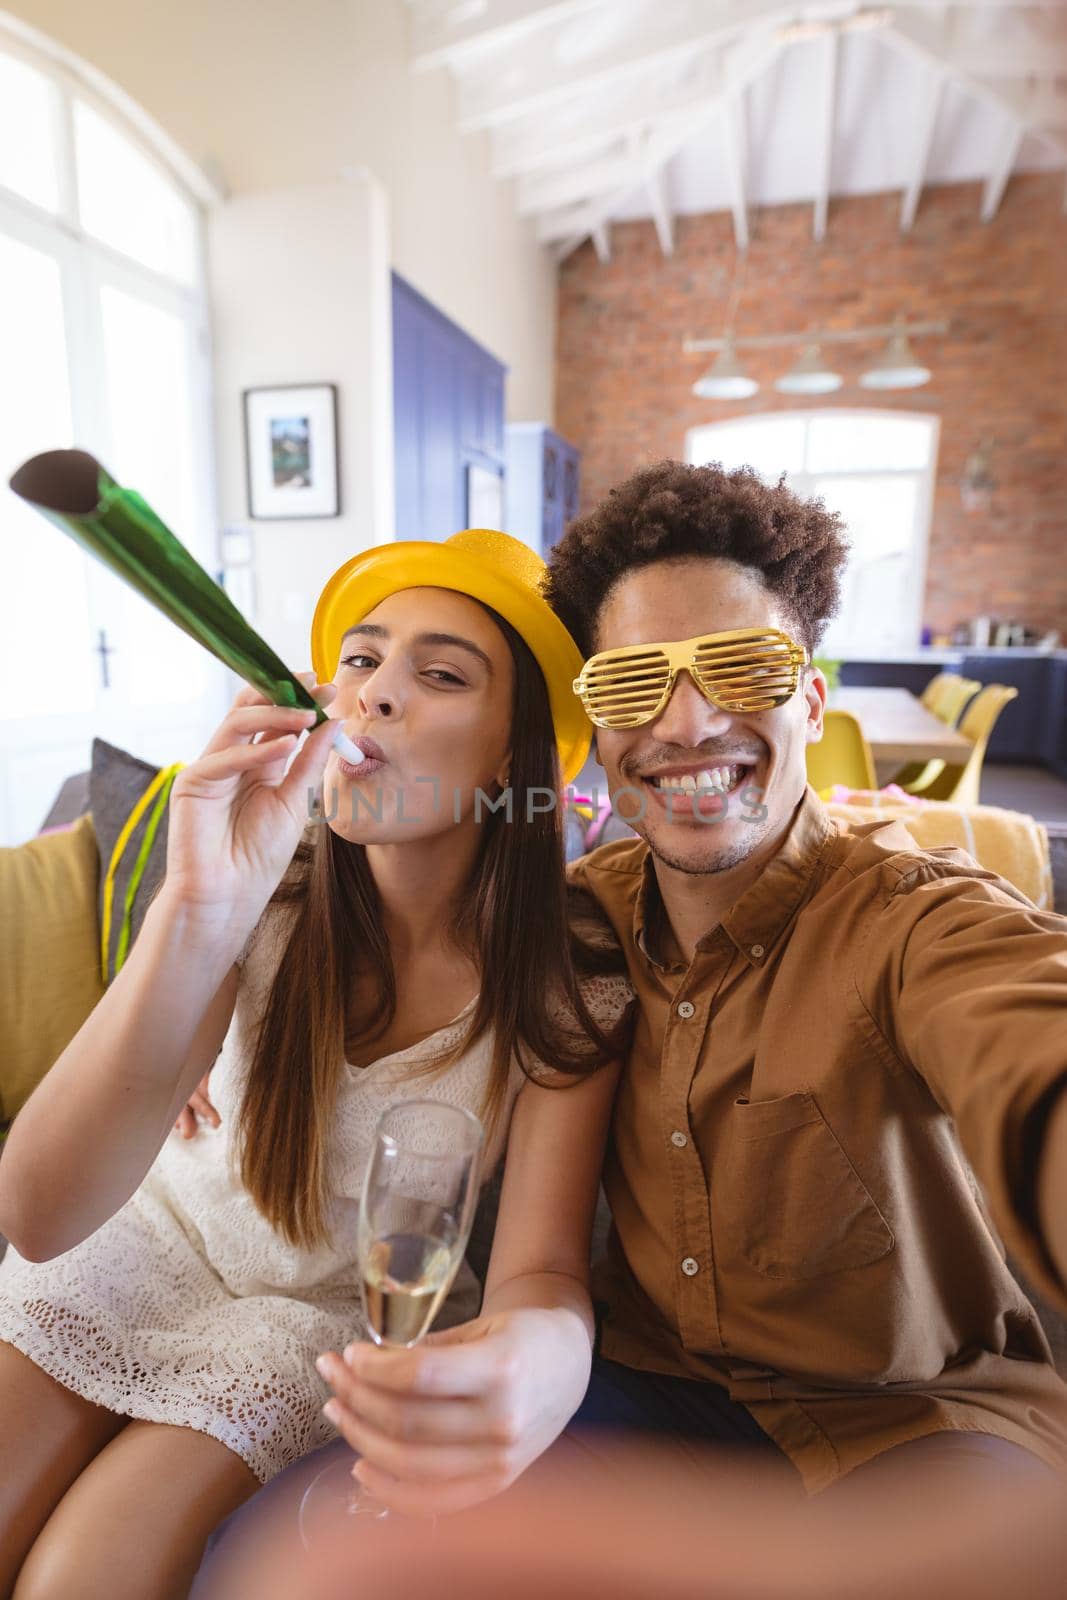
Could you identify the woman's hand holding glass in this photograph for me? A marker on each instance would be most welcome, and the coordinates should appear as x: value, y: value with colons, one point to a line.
x: 419, y: 1194
x: 443, y: 1427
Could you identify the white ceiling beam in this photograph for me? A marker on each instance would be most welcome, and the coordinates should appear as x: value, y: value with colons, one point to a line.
x: 602, y: 242
x: 997, y: 181
x: 913, y: 36
x: 533, y: 146
x: 662, y: 215
x: 584, y: 181
x: 540, y: 82
x: 735, y: 155
x: 638, y: 170
x: 924, y: 139
x: 561, y: 197
x: 506, y: 93
x: 568, y: 229
x: 455, y: 34
x: 827, y: 94
x: 570, y: 226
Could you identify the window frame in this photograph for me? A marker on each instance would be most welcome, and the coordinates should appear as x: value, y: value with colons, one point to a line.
x: 86, y: 263
x: 804, y: 480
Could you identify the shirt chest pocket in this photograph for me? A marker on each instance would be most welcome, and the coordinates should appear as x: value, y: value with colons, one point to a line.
x: 796, y: 1205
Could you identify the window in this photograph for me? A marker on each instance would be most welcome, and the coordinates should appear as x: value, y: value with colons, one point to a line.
x: 877, y: 469
x: 29, y: 113
x: 104, y: 344
x: 35, y: 413
x: 125, y: 202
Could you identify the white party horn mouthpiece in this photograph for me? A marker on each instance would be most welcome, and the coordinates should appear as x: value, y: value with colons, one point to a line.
x: 344, y: 747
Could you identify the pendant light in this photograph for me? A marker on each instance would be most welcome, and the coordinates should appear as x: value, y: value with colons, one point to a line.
x: 725, y: 379
x: 896, y: 368
x: 809, y: 375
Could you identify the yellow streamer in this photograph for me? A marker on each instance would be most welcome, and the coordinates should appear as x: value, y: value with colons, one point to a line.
x: 116, y: 856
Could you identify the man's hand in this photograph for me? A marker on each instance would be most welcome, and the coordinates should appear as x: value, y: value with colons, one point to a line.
x: 199, y: 1109
x: 456, y: 1420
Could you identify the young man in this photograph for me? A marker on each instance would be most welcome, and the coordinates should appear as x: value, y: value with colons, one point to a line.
x: 837, y: 1030
x: 836, y: 1033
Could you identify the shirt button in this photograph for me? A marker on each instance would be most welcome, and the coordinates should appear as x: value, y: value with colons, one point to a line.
x: 686, y: 1009
x: 679, y: 1140
x: 690, y: 1267
x: 756, y: 950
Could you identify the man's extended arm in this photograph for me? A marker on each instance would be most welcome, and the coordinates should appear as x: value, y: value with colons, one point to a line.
x: 968, y: 981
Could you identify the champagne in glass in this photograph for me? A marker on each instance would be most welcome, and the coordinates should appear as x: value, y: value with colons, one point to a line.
x: 405, y: 1278
x: 419, y: 1194
x: 420, y: 1189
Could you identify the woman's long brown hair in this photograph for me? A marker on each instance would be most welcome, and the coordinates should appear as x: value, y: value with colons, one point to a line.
x: 512, y: 919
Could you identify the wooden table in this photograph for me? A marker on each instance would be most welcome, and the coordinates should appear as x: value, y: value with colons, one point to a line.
x: 899, y: 729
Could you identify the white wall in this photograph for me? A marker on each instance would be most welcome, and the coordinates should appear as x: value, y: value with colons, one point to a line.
x: 301, y: 293
x: 272, y: 94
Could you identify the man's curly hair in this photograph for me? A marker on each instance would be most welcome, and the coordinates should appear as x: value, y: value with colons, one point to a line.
x: 671, y: 510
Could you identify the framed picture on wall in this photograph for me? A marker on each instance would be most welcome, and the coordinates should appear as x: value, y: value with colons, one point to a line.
x: 291, y: 451
x: 485, y: 497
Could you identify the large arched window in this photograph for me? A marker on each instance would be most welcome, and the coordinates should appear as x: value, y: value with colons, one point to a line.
x: 877, y: 469
x: 103, y: 344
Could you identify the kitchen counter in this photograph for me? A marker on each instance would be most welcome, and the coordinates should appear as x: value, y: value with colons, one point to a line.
x: 939, y: 655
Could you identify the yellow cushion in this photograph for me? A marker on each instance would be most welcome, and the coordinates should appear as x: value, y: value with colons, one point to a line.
x: 49, y: 954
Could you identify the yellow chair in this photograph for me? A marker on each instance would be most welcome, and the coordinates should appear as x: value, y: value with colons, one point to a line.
x: 952, y: 697
x: 948, y: 702
x: 842, y: 756
x: 960, y: 784
x: 935, y: 686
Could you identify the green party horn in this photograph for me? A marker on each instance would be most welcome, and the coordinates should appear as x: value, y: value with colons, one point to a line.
x: 119, y: 528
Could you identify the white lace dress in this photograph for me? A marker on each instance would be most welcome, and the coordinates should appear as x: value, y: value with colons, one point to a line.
x: 187, y: 1307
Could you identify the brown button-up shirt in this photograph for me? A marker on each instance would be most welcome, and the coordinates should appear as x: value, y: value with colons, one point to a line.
x: 805, y: 1105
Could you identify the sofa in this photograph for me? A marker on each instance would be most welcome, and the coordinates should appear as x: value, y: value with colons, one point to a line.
x: 55, y: 890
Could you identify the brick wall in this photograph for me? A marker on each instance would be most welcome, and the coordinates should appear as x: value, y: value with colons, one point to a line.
x: 624, y: 385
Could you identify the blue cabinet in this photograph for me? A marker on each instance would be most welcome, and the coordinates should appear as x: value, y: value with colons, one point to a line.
x: 1022, y: 729
x: 910, y: 675
x: 448, y: 415
x: 1055, y: 749
x: 542, y: 484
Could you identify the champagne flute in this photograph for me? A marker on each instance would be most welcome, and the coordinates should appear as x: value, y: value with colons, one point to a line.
x: 419, y: 1193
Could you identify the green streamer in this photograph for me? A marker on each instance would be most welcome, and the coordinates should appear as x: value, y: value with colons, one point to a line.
x: 119, y: 528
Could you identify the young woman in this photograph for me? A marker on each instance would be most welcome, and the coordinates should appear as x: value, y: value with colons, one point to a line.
x: 166, y: 1299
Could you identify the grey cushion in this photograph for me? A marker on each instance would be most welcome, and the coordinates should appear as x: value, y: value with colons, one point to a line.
x: 70, y: 803
x: 116, y: 783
